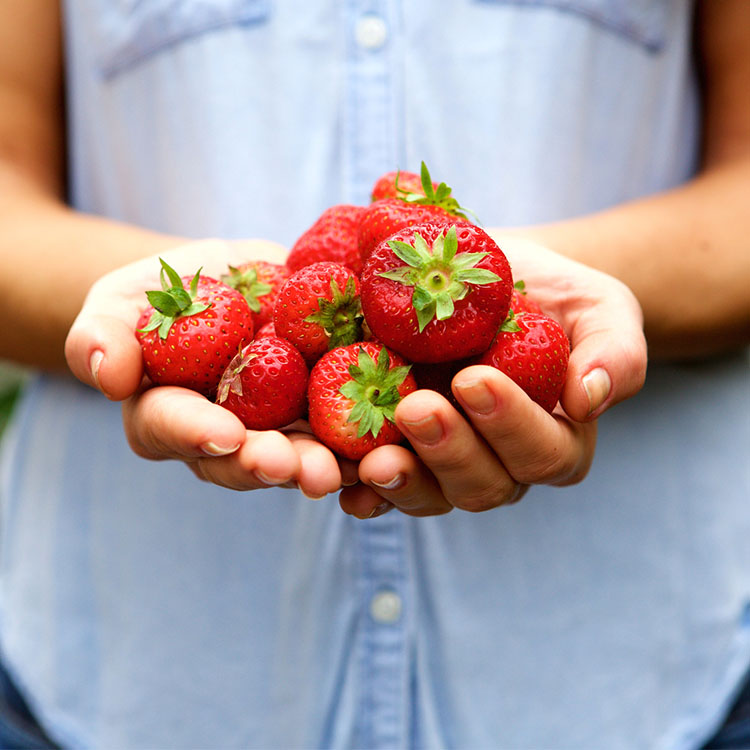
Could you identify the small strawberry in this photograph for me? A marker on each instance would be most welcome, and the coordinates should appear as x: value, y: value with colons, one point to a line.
x: 318, y: 308
x: 398, y: 185
x: 259, y: 281
x: 333, y: 237
x: 189, y: 335
x: 265, y: 385
x: 434, y: 295
x: 533, y: 351
x: 353, y: 394
x: 520, y: 302
x: 266, y: 330
x: 385, y: 217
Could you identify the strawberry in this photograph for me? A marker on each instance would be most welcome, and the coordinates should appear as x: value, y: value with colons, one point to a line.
x: 259, y: 281
x: 520, y: 302
x: 533, y: 351
x: 189, y: 335
x: 384, y: 217
x: 265, y: 385
x: 318, y: 308
x: 266, y: 330
x: 333, y: 237
x: 353, y: 394
x: 398, y: 185
x: 434, y: 295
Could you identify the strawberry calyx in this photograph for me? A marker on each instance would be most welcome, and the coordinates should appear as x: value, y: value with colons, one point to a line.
x: 341, y: 316
x: 231, y: 380
x: 374, y: 391
x: 439, y: 274
x: 510, y: 324
x: 173, y: 301
x: 246, y: 282
x: 442, y: 196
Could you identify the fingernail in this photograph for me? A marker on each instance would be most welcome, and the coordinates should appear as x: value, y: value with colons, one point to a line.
x: 477, y: 396
x: 378, y: 510
x: 398, y: 481
x: 270, y: 481
x: 211, y: 449
x: 597, y: 385
x: 312, y: 497
x: 94, y: 363
x: 427, y: 430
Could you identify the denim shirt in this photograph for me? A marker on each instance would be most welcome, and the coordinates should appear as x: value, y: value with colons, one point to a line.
x: 141, y: 608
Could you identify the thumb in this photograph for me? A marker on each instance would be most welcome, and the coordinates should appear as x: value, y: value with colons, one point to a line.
x: 103, y: 352
x: 607, y: 361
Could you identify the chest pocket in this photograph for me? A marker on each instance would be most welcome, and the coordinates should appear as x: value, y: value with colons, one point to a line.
x: 642, y: 21
x: 131, y: 31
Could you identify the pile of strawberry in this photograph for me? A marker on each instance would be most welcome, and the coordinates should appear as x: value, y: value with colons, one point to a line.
x: 373, y: 303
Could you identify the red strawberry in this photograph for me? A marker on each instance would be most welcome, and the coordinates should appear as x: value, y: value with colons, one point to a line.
x: 266, y: 330
x: 265, y: 385
x: 333, y: 237
x: 353, y: 394
x: 318, y: 308
x: 259, y: 282
x: 434, y: 295
x: 383, y: 218
x: 188, y: 336
x: 398, y: 185
x: 520, y: 302
x: 533, y: 351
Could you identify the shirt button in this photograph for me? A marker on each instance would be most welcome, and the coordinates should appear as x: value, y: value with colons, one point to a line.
x: 370, y: 32
x: 385, y: 607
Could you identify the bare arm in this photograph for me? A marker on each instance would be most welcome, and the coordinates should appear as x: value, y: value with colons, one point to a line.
x: 49, y: 254
x: 686, y: 253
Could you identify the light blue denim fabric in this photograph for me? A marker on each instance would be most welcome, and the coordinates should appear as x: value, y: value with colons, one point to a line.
x: 143, y: 609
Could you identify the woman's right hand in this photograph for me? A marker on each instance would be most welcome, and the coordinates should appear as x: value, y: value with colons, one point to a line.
x: 169, y: 422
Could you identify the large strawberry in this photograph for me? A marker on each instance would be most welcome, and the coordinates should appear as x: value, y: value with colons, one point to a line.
x: 259, y: 281
x: 265, y: 385
x: 189, y: 335
x: 333, y: 237
x: 533, y: 350
x: 435, y: 295
x: 385, y: 217
x: 398, y: 185
x: 318, y: 308
x: 353, y: 394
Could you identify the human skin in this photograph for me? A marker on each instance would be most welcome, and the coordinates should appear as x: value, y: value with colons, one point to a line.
x: 77, y: 291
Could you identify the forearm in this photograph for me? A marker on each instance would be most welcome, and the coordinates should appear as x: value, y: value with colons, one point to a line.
x: 684, y: 253
x: 50, y: 255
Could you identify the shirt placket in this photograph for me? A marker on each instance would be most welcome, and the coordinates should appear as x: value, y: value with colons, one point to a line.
x: 383, y: 715
x: 371, y: 116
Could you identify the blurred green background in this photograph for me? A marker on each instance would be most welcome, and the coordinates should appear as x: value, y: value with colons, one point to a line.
x: 11, y: 380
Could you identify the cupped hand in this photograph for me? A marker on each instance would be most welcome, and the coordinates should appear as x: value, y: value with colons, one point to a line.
x: 168, y: 422
x: 506, y: 442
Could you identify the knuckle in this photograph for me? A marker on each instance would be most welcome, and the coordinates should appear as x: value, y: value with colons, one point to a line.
x: 552, y: 468
x: 492, y: 495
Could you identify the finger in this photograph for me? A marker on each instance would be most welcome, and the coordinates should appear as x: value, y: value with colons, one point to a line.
x: 103, y: 352
x: 170, y: 422
x: 608, y: 354
x: 534, y: 447
x: 394, y: 475
x: 363, y: 502
x: 319, y: 472
x: 349, y: 471
x: 265, y: 459
x: 469, y: 474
